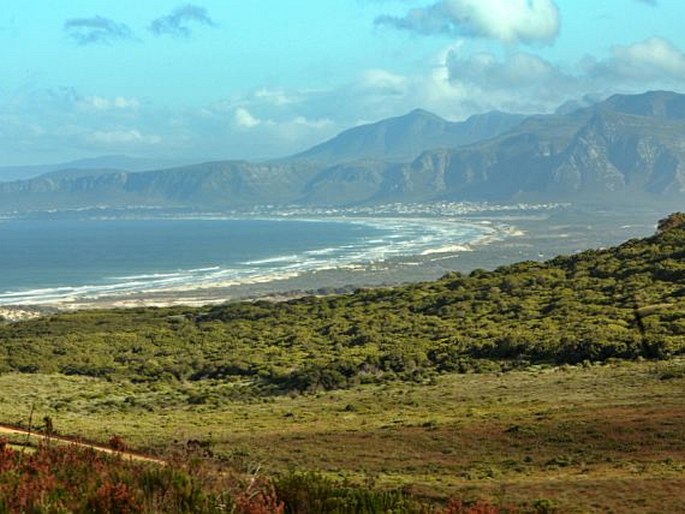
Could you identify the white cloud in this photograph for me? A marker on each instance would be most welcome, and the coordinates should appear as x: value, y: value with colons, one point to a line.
x: 125, y: 103
x: 276, y: 97
x: 653, y: 60
x: 104, y: 104
x: 317, y: 124
x: 517, y: 71
x: 244, y: 119
x: 509, y: 21
x: 458, y: 84
x: 383, y: 81
x: 125, y: 137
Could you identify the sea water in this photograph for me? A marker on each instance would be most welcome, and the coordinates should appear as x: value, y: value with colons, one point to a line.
x: 48, y: 261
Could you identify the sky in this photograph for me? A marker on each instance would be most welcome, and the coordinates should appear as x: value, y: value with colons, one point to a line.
x: 256, y: 79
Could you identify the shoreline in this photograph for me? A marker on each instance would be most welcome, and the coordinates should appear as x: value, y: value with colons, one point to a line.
x: 513, y: 238
x: 359, y: 266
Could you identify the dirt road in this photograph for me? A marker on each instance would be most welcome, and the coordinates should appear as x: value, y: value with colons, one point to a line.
x: 16, y: 431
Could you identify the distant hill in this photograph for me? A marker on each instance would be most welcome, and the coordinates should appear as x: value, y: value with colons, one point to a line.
x: 628, y: 148
x: 118, y: 162
x: 223, y: 183
x: 405, y: 137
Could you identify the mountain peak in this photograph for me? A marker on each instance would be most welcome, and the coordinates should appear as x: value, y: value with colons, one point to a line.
x: 405, y: 137
x: 656, y: 104
x: 420, y: 114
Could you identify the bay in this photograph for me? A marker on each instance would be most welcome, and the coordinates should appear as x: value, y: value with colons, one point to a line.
x: 47, y: 261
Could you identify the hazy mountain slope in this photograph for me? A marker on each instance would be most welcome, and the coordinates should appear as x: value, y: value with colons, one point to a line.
x: 226, y: 184
x: 625, y: 149
x: 656, y: 104
x: 306, y: 178
x: 405, y: 137
x: 119, y: 162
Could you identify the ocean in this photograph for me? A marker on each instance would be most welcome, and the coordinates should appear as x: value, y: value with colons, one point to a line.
x: 53, y: 261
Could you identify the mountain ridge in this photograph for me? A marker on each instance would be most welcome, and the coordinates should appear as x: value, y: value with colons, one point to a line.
x: 405, y: 137
x: 626, y: 148
x: 118, y: 162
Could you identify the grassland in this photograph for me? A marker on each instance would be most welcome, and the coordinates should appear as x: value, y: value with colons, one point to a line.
x: 583, y: 438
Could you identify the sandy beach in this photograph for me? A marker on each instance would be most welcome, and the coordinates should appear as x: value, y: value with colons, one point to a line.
x: 20, y: 313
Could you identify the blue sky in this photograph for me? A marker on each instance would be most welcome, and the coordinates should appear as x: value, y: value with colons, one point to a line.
x: 218, y: 79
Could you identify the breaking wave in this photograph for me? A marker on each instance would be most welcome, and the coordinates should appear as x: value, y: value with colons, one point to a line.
x: 390, y: 238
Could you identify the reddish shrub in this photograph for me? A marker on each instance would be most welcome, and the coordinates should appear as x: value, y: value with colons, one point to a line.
x: 114, y: 498
x: 117, y: 444
x: 259, y: 498
x: 457, y: 506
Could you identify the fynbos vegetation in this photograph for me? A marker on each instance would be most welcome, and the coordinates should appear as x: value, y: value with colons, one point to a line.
x: 73, y: 479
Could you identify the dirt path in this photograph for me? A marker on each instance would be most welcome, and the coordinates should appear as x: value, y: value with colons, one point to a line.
x: 16, y: 431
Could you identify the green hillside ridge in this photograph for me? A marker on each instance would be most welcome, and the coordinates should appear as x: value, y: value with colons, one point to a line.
x: 625, y: 302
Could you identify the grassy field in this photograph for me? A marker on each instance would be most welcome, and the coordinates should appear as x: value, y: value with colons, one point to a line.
x: 599, y: 438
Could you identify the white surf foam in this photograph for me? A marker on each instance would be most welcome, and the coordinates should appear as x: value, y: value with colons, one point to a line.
x: 400, y: 237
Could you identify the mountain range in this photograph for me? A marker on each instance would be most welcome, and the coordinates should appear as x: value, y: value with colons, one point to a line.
x: 625, y: 148
x: 404, y: 138
x: 119, y: 162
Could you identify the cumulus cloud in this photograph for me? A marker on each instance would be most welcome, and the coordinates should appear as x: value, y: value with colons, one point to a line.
x: 383, y: 82
x: 517, y: 71
x: 96, y: 30
x: 517, y: 82
x: 178, y: 22
x: 244, y: 118
x: 46, y: 125
x: 526, y: 82
x: 509, y: 21
x: 101, y: 103
x: 123, y: 137
x: 277, y: 97
x: 654, y: 60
